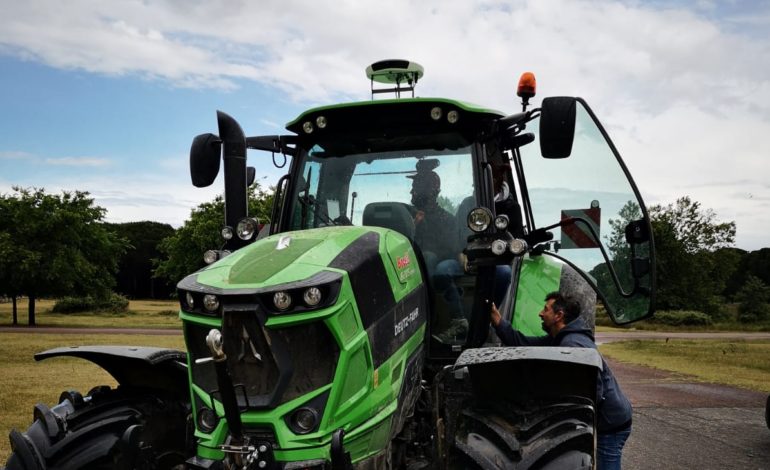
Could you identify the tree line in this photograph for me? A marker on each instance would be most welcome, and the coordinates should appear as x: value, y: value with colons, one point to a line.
x: 55, y: 245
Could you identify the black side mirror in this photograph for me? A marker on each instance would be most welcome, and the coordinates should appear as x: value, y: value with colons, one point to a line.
x: 636, y: 232
x: 557, y: 126
x: 205, y: 154
x: 251, y: 175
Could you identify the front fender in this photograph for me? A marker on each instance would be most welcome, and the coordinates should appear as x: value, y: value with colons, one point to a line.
x: 522, y: 374
x: 134, y: 366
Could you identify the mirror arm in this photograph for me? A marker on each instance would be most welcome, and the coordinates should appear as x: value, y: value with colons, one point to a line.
x: 273, y: 143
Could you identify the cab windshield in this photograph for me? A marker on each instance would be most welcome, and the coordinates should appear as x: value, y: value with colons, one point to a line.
x: 423, y: 194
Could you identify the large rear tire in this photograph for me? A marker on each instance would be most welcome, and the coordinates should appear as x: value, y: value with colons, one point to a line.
x: 548, y: 437
x: 121, y: 428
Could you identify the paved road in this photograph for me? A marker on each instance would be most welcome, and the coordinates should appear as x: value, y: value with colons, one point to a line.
x: 683, y: 424
x: 678, y: 423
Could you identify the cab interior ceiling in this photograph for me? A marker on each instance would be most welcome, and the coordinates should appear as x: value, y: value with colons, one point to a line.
x: 356, y: 144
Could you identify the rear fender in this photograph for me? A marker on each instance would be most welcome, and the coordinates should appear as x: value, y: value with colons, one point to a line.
x: 523, y: 374
x: 134, y: 366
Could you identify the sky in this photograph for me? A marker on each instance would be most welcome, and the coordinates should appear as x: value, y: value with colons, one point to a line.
x: 106, y: 97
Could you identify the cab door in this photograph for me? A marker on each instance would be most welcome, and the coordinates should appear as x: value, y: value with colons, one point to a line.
x: 584, y: 196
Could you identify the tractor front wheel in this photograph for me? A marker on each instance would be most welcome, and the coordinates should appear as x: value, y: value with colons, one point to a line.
x: 120, y: 428
x: 548, y: 437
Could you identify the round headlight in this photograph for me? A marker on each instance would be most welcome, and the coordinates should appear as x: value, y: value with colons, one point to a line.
x: 304, y: 420
x: 207, y: 420
x: 499, y: 247
x: 210, y: 302
x: 282, y: 300
x: 312, y: 296
x: 227, y: 233
x: 436, y: 113
x: 210, y: 256
x: 246, y: 228
x: 518, y: 246
x: 452, y: 116
x: 501, y: 222
x: 479, y: 219
x: 188, y: 297
x: 307, y: 126
x: 320, y: 121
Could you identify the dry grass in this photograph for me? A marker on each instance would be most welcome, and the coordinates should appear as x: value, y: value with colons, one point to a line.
x: 24, y: 382
x: 744, y: 364
x: 141, y: 314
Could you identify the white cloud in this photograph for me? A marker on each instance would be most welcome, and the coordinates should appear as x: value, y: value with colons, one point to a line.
x: 15, y: 155
x: 132, y: 198
x: 78, y: 161
x: 685, y: 96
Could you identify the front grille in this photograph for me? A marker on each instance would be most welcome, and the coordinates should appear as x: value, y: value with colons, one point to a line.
x: 268, y: 366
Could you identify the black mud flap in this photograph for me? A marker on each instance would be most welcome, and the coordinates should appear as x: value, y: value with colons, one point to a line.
x: 133, y: 366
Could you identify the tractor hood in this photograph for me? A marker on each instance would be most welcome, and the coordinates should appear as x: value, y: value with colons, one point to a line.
x: 281, y: 258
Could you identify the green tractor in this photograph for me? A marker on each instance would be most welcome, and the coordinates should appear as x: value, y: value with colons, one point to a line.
x: 353, y: 330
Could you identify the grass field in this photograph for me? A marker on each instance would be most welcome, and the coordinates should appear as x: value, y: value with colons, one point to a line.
x: 24, y: 382
x: 744, y: 364
x: 141, y: 314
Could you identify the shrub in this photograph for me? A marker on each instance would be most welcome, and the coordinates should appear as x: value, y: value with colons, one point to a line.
x: 681, y: 318
x: 113, y: 304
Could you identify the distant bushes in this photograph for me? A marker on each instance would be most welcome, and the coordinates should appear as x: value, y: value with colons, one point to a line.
x: 681, y: 318
x: 112, y: 304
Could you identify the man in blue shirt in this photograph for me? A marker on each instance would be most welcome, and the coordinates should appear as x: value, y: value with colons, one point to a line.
x: 561, y: 320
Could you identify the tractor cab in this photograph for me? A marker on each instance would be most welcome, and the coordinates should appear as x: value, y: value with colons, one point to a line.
x: 499, y: 208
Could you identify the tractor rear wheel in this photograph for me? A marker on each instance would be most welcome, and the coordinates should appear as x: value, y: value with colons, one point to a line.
x: 120, y: 428
x: 548, y: 437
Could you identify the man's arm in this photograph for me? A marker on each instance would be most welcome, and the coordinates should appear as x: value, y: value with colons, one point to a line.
x: 511, y: 337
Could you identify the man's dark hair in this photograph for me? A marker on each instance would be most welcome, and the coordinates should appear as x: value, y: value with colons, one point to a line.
x: 566, y: 304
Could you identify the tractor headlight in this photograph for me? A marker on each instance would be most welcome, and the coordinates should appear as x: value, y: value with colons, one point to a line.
x: 312, y: 296
x: 282, y: 300
x: 479, y: 219
x: 227, y: 233
x: 501, y: 222
x: 188, y: 297
x: 210, y: 256
x: 246, y: 228
x: 436, y: 113
x: 304, y: 420
x: 518, y: 246
x: 499, y: 247
x: 210, y: 302
x: 321, y: 122
x: 452, y: 116
x: 307, y: 126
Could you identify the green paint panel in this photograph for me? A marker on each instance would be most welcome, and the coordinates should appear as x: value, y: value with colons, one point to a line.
x: 264, y: 261
x: 539, y: 275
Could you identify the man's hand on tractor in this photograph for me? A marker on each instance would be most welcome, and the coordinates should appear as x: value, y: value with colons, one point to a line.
x: 419, y: 217
x: 494, y: 314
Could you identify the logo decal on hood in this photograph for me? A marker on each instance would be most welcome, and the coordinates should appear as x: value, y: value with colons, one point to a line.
x: 283, y: 243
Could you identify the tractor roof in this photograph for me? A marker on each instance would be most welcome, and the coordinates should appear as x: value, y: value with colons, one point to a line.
x: 399, y: 116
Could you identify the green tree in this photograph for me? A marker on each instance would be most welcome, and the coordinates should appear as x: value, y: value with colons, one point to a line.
x: 59, y: 246
x: 754, y: 300
x: 691, y: 269
x: 135, y: 269
x: 183, y: 251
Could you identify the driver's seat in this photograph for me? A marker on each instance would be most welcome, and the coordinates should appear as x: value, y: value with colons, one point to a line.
x: 392, y: 215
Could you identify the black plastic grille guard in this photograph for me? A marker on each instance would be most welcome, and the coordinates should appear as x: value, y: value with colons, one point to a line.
x: 289, y: 362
